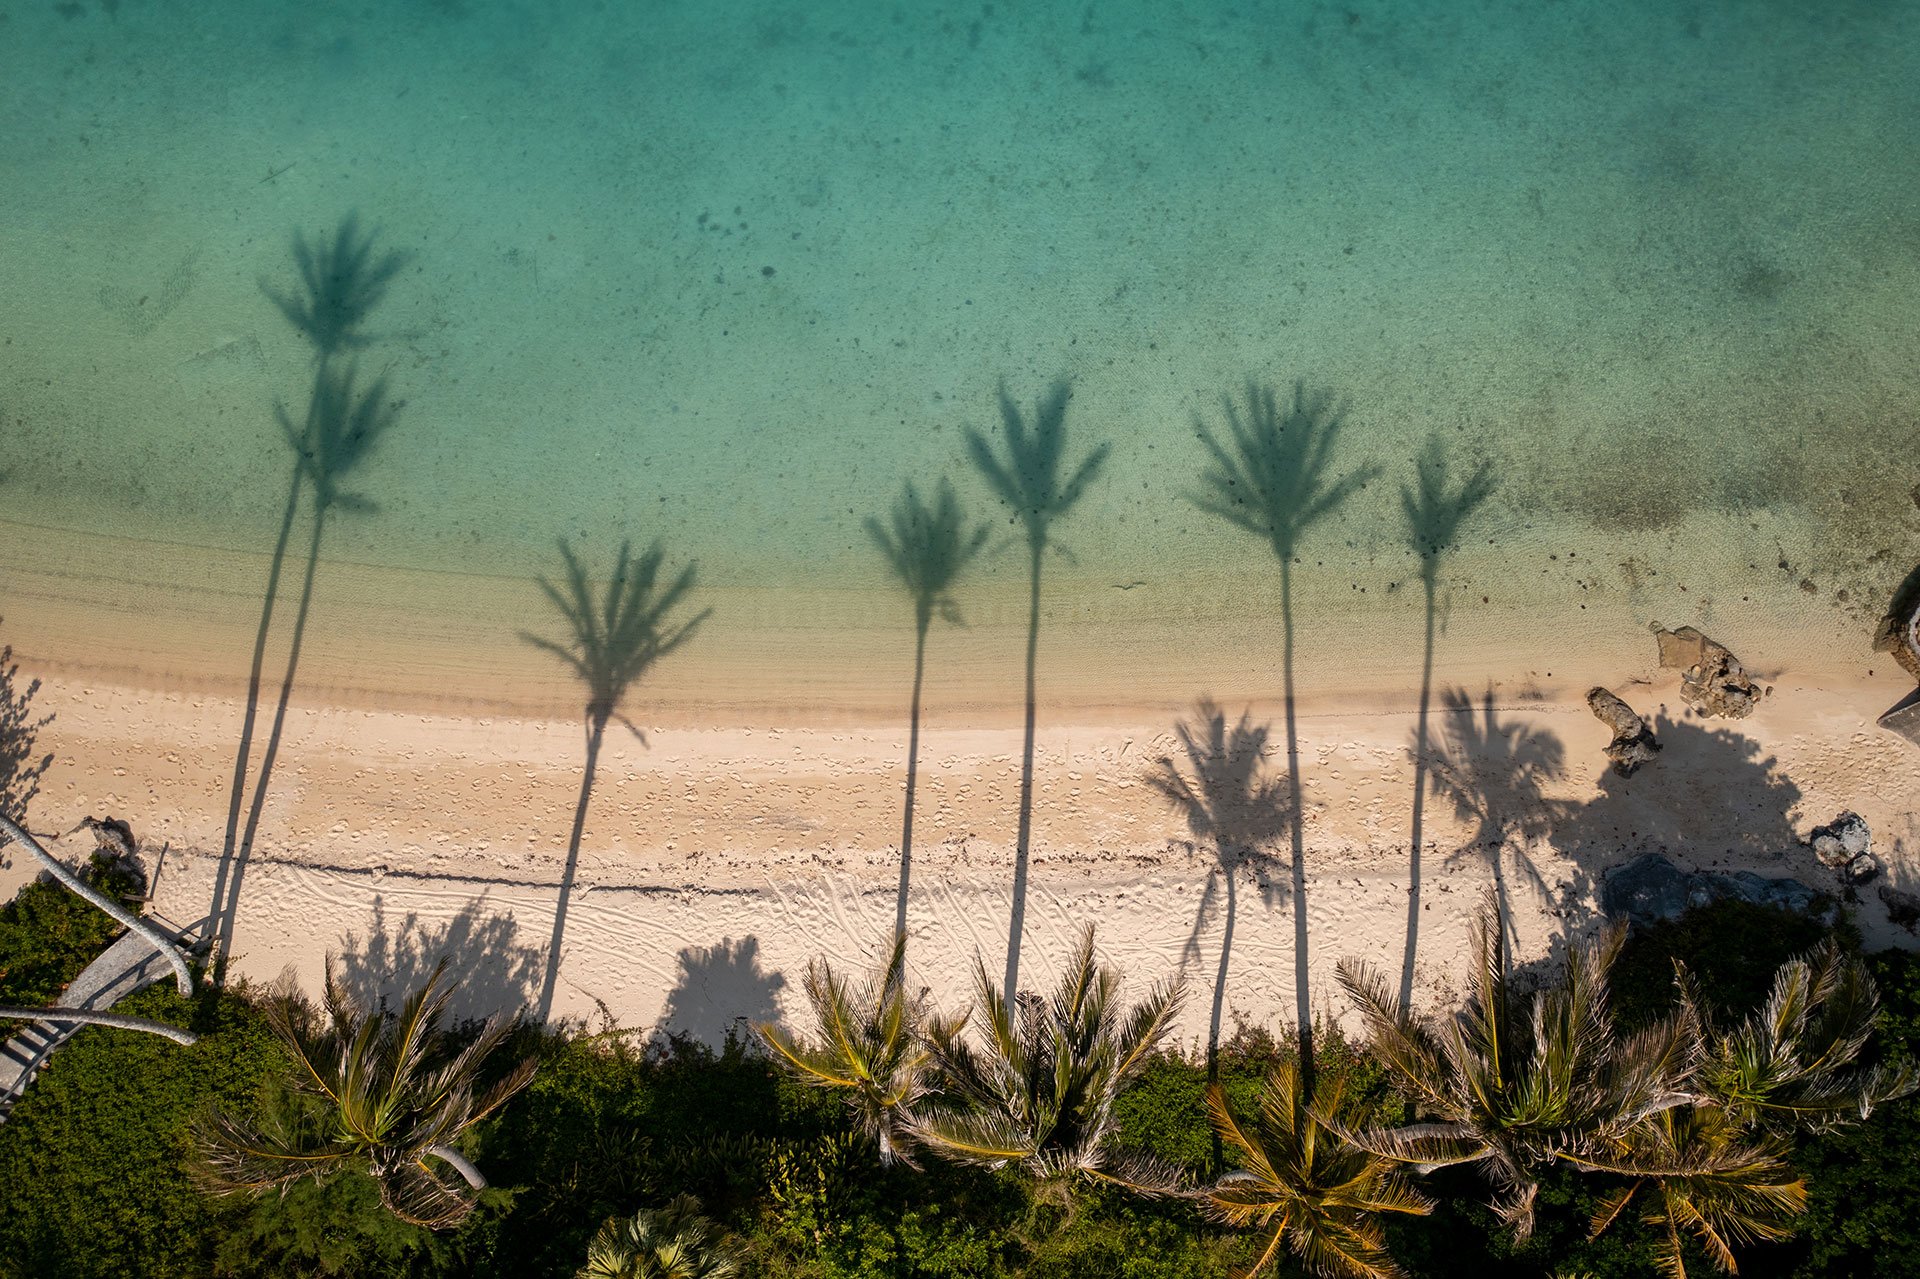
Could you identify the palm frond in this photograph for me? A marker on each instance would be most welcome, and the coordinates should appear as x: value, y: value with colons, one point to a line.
x: 869, y: 1044
x: 384, y: 1091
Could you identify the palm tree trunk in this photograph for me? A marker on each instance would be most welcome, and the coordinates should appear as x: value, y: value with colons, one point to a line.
x: 169, y: 950
x: 913, y: 762
x: 231, y: 906
x: 87, y: 1017
x: 1302, y: 990
x: 1017, y: 926
x: 460, y: 1165
x: 596, y: 730
x: 240, y: 756
x: 1419, y: 807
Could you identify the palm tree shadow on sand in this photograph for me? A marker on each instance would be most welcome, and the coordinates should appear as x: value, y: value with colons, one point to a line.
x: 1029, y: 482
x: 342, y: 280
x: 1497, y: 773
x: 1434, y: 516
x: 1234, y: 805
x: 1270, y: 477
x: 615, y: 640
x: 927, y: 548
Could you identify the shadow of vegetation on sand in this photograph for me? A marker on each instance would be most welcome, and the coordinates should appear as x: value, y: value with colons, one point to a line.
x: 1434, y: 513
x: 613, y: 642
x: 927, y: 548
x: 1270, y: 477
x: 1713, y: 796
x: 341, y: 282
x: 722, y: 991
x: 20, y: 772
x: 491, y: 969
x: 1028, y: 480
x: 1231, y: 802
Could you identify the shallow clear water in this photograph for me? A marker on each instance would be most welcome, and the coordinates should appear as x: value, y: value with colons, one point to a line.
x: 725, y: 278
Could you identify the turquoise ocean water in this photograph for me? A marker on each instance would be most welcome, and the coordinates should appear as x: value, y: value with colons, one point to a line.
x: 727, y: 275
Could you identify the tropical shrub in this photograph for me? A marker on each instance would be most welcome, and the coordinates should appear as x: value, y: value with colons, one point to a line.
x: 392, y: 1095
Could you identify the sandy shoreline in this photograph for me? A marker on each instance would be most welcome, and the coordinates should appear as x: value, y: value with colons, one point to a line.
x: 717, y: 861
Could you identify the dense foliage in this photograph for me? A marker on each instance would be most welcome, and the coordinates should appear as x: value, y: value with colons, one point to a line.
x: 47, y: 935
x: 97, y: 1161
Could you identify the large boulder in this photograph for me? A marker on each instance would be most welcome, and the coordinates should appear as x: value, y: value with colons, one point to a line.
x: 1712, y: 681
x: 1899, y: 631
x: 1844, y: 846
x: 1650, y: 890
x: 1904, y: 718
x: 1632, y: 743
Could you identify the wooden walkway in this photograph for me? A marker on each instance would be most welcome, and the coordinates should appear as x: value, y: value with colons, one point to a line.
x: 129, y: 965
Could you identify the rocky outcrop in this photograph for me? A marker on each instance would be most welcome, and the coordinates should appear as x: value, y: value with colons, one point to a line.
x: 1844, y: 846
x: 1899, y: 635
x: 1712, y: 680
x: 1632, y: 743
x: 1651, y: 890
x: 1904, y: 718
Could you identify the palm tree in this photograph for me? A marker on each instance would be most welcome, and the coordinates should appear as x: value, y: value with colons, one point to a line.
x: 1229, y: 802
x: 1270, y: 479
x: 1028, y: 480
x: 1040, y: 1094
x: 869, y: 1046
x: 1796, y: 1062
x: 1319, y: 1195
x: 927, y: 548
x: 615, y: 641
x: 1434, y: 517
x: 1517, y: 1085
x: 390, y: 1094
x: 674, y: 1242
x: 1702, y: 1177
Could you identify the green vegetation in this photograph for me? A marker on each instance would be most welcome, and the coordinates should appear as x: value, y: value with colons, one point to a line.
x: 97, y: 1157
x: 47, y: 935
x: 871, y: 1049
x: 674, y: 1242
x: 391, y: 1094
x: 1039, y: 1093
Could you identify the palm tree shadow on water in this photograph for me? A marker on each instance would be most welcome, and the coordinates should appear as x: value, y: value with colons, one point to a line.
x: 1028, y: 481
x: 1497, y: 774
x: 1434, y: 516
x: 1270, y: 477
x: 1231, y: 802
x: 927, y: 548
x: 341, y: 282
x: 614, y: 641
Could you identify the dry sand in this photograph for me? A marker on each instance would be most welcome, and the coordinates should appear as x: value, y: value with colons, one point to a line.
x: 718, y: 861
